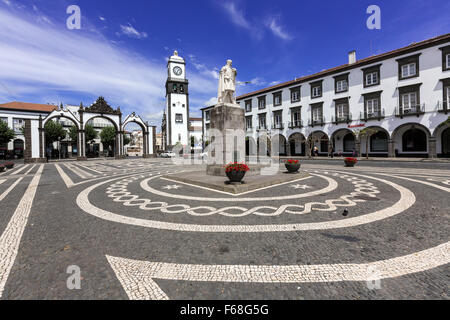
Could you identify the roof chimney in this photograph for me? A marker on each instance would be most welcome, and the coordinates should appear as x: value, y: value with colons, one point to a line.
x: 352, y: 57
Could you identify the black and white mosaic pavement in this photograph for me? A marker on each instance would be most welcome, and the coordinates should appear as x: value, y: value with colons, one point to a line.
x: 135, y: 234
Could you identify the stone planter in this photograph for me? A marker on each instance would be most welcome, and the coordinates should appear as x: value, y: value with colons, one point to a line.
x: 292, y: 167
x: 350, y: 163
x: 235, y: 176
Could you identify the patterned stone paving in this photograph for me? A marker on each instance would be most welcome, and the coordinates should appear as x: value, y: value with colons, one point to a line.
x: 137, y: 235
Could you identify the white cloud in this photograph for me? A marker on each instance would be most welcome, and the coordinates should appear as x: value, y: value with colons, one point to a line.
x: 237, y: 17
x: 211, y: 102
x: 214, y: 73
x: 7, y: 2
x: 131, y: 32
x: 277, y: 30
x: 41, y: 61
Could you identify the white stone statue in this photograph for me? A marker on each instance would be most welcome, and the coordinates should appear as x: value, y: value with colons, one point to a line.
x: 227, y: 84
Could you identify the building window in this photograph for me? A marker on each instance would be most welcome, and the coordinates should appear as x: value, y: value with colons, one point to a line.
x: 4, y: 120
x: 208, y: 115
x: 317, y: 114
x: 277, y: 98
x: 379, y: 142
x: 373, y: 107
x: 262, y: 102
x: 316, y: 89
x: 371, y: 76
x: 409, y: 101
x: 248, y: 106
x: 408, y: 70
x: 341, y: 83
x: 248, y: 123
x: 179, y: 118
x: 18, y: 124
x: 174, y: 88
x: 341, y: 86
x: 295, y: 94
x: 445, y: 58
x: 277, y: 120
x: 342, y: 111
x: 262, y: 121
x: 408, y: 67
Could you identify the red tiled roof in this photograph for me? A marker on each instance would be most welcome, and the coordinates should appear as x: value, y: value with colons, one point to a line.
x: 412, y: 47
x: 24, y: 106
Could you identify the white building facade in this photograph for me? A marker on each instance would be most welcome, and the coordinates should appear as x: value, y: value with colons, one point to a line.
x: 403, y: 95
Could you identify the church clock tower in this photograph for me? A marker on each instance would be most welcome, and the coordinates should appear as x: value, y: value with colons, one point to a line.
x: 177, y: 103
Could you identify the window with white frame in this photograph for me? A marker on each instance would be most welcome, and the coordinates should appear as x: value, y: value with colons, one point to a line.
x: 295, y: 95
x: 448, y: 60
x: 248, y: 123
x: 4, y: 120
x: 262, y: 121
x: 341, y: 85
x: 262, y: 103
x: 409, y: 101
x: 317, y: 114
x: 408, y: 70
x: 372, y: 78
x: 341, y: 110
x: 277, y: 99
x: 278, y: 120
x: 373, y: 107
x: 316, y: 91
x: 248, y: 106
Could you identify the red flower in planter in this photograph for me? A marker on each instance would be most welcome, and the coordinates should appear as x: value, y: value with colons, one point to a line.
x: 237, y: 167
x: 351, y: 160
x: 290, y: 161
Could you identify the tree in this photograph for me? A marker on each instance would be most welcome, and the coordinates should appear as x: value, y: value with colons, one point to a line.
x: 108, y: 136
x: 6, y: 134
x: 54, y: 131
x: 73, y: 133
x: 126, y: 140
x: 90, y: 133
x: 366, y: 134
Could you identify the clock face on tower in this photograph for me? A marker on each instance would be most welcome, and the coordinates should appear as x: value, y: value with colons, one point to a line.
x: 178, y: 71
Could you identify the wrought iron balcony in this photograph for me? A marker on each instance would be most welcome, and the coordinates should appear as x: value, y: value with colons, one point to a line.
x: 261, y: 128
x: 416, y: 110
x: 343, y: 119
x: 443, y: 107
x: 277, y: 126
x: 376, y: 115
x: 316, y: 122
x: 296, y: 124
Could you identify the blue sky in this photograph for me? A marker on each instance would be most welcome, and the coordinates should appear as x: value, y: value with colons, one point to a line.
x: 122, y: 47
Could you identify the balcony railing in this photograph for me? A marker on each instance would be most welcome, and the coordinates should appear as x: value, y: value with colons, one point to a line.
x: 277, y: 126
x: 343, y: 119
x: 296, y: 124
x: 412, y: 111
x: 261, y: 128
x: 376, y: 115
x: 443, y: 107
x: 316, y: 122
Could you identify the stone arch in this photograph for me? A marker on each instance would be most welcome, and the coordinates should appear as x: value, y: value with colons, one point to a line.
x: 412, y: 144
x: 59, y: 114
x: 296, y: 144
x: 340, y: 139
x: 116, y: 125
x: 320, y: 140
x: 279, y: 144
x: 133, y: 118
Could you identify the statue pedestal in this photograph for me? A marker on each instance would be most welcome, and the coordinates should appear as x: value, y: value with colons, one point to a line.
x: 227, y: 136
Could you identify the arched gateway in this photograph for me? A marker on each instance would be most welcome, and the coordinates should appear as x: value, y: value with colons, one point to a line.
x: 80, y: 117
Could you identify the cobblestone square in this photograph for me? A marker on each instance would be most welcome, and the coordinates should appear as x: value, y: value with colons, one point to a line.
x: 132, y: 233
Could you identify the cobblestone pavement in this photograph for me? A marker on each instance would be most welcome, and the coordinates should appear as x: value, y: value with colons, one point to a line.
x: 340, y: 233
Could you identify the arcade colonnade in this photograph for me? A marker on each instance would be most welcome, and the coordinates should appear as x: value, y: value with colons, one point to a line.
x: 35, y: 150
x: 410, y: 139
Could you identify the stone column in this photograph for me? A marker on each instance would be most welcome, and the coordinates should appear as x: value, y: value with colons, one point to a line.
x: 288, y: 149
x: 432, y: 148
x: 358, y: 147
x: 391, y: 148
x: 82, y: 146
x: 28, y: 147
